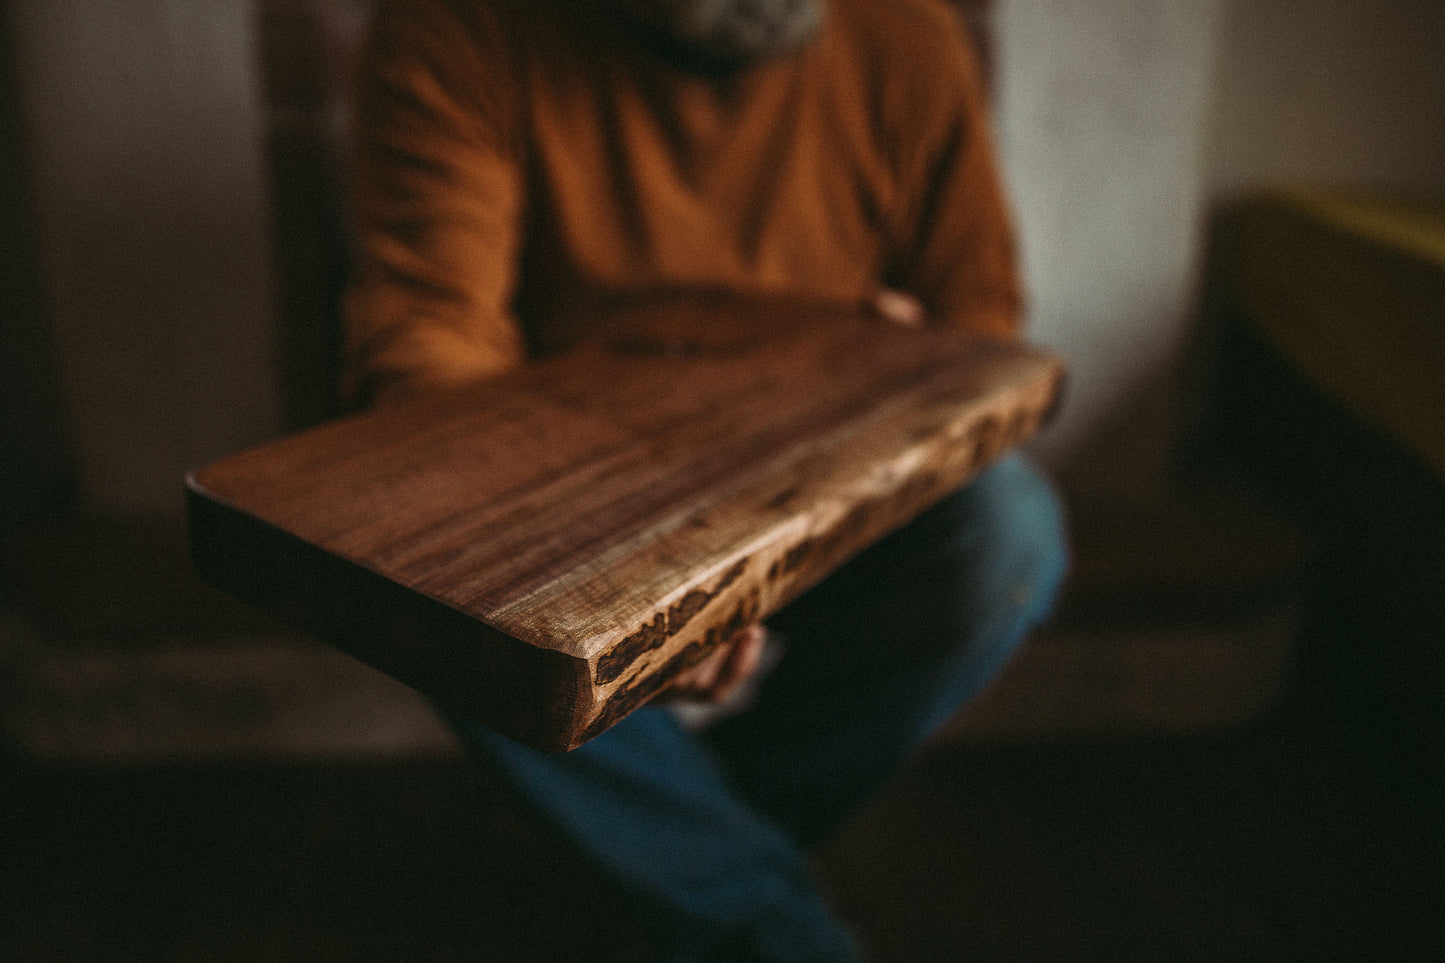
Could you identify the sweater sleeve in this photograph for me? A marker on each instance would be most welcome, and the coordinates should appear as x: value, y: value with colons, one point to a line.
x: 437, y: 199
x: 954, y: 244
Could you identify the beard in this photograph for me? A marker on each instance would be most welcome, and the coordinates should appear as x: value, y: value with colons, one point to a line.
x: 712, y: 34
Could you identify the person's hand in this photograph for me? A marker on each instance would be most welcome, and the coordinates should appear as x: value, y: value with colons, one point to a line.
x: 899, y: 307
x: 717, y: 678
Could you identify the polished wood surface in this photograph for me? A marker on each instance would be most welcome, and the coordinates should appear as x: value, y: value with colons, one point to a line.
x: 547, y: 550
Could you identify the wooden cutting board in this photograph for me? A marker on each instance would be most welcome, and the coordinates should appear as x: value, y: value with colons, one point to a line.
x: 545, y: 551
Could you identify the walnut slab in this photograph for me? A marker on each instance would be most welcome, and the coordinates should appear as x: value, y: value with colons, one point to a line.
x: 545, y: 551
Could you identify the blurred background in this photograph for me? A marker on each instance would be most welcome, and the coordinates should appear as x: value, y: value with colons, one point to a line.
x: 1227, y: 746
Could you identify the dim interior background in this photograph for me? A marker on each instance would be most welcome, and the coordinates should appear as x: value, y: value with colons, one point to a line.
x: 1154, y: 778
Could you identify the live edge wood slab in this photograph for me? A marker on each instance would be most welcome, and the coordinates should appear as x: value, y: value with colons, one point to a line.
x: 544, y: 552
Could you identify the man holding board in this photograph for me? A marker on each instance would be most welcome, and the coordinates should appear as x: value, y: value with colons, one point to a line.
x: 529, y: 172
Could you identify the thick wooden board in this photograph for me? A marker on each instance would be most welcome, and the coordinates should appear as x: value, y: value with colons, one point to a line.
x: 545, y: 551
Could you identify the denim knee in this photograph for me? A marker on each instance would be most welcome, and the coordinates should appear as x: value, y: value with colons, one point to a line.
x: 1006, y: 558
x: 1010, y: 527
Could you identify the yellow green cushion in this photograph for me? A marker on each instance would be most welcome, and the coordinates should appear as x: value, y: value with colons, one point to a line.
x: 1351, y: 290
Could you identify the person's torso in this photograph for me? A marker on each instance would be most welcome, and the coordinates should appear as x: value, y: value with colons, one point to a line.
x: 644, y: 179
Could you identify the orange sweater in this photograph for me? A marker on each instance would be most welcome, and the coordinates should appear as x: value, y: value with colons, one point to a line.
x: 521, y: 163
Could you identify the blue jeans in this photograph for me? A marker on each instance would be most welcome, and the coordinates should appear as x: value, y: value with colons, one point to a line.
x: 714, y: 826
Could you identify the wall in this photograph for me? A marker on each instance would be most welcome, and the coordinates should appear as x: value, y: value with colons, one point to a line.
x: 1123, y: 122
x: 35, y: 464
x: 1102, y: 116
x: 145, y: 151
x: 1336, y: 91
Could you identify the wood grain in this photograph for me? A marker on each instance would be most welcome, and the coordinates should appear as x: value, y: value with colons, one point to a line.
x: 545, y: 551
